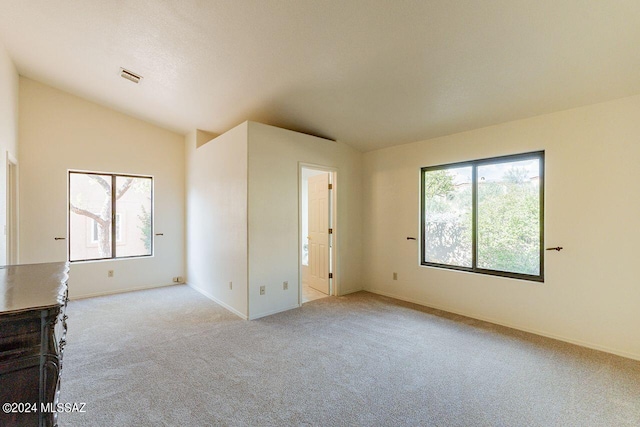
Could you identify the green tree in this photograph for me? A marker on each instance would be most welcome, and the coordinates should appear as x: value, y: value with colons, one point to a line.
x: 508, y: 221
x: 143, y: 186
x: 145, y: 228
x: 438, y: 183
x: 516, y: 175
x: 447, y: 219
x: 509, y: 224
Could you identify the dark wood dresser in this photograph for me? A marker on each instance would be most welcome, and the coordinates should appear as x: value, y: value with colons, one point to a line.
x: 33, y: 325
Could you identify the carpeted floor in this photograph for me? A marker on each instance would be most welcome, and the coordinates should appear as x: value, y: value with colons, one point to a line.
x: 171, y: 357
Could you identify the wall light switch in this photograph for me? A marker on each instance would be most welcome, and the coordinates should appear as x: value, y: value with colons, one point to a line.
x: 395, y: 276
x: 261, y: 290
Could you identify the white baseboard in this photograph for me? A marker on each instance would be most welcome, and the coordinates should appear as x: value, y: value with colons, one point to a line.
x: 350, y: 291
x: 217, y: 301
x: 511, y: 325
x: 120, y: 291
x: 269, y: 313
x: 233, y: 310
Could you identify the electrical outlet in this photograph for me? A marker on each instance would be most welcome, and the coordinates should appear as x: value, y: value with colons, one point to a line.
x: 230, y: 286
x: 178, y: 279
x: 110, y: 273
x: 261, y: 290
x: 285, y: 285
x: 395, y: 276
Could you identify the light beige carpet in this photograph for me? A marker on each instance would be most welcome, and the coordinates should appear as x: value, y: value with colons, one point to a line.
x: 171, y: 357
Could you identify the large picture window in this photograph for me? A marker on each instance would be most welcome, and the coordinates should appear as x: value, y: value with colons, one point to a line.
x: 485, y: 216
x: 97, y: 201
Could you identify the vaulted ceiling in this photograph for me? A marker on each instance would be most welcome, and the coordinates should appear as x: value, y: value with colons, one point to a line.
x: 371, y: 73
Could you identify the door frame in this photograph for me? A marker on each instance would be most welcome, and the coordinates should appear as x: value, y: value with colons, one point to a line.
x: 334, y: 282
x: 11, y: 233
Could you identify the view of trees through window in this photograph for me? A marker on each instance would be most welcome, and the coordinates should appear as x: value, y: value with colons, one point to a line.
x: 94, y: 199
x: 448, y: 226
x: 503, y: 197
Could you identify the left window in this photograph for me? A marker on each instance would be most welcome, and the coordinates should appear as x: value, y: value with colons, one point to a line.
x: 97, y: 202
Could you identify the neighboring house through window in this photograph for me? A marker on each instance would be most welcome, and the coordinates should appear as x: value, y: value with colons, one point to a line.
x: 95, y: 229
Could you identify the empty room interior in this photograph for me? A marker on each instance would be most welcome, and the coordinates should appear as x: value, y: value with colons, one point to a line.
x: 365, y: 213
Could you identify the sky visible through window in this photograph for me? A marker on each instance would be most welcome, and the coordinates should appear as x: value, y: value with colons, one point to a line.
x: 495, y: 172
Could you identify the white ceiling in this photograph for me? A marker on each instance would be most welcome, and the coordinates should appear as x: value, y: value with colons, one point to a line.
x: 371, y: 73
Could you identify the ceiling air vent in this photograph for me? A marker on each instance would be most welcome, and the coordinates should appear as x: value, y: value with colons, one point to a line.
x: 130, y: 75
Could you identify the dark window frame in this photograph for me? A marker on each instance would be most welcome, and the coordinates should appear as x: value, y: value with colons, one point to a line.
x: 474, y: 164
x: 114, y: 242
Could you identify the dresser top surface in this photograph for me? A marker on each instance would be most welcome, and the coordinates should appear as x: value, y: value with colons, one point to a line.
x: 32, y: 286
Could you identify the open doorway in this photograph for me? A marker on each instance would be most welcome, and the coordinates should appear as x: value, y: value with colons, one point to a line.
x: 317, y: 232
x: 11, y: 230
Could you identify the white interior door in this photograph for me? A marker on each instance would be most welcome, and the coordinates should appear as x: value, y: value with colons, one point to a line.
x: 318, y: 239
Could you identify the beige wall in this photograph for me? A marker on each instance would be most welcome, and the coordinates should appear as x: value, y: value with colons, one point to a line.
x: 274, y: 158
x: 591, y: 293
x: 242, y: 215
x: 217, y: 217
x: 242, y: 211
x: 59, y: 131
x: 8, y: 135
